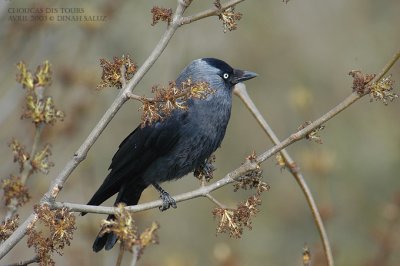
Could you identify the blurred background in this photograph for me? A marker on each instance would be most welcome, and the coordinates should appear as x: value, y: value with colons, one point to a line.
x: 302, y: 51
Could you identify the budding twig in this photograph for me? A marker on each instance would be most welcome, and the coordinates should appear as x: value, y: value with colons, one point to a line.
x: 241, y: 92
x: 210, y: 12
x: 42, y: 112
x: 216, y: 202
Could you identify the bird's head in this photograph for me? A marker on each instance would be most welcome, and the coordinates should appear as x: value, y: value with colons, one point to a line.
x: 216, y: 72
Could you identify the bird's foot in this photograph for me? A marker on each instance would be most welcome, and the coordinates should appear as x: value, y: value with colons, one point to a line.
x: 167, y: 200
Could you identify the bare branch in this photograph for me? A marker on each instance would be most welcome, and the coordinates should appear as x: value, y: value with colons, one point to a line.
x: 137, y: 97
x: 27, y: 262
x: 135, y: 255
x: 120, y: 254
x: 210, y: 12
x: 241, y: 92
x: 216, y: 202
x: 200, y: 192
x: 388, y: 66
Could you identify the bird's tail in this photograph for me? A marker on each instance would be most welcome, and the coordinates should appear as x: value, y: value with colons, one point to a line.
x: 106, y: 240
x: 129, y: 195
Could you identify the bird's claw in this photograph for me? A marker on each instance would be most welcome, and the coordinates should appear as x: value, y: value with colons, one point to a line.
x: 167, y: 200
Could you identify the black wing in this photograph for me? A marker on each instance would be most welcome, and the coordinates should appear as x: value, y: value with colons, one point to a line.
x: 137, y: 152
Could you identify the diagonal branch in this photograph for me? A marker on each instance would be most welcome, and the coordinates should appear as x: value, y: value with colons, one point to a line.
x: 26, y: 262
x: 241, y: 92
x: 83, y: 150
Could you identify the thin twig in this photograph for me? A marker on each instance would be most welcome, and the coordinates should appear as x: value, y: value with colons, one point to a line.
x: 27, y: 164
x: 26, y: 169
x: 241, y: 92
x: 217, y: 202
x: 122, y: 79
x: 137, y: 97
x: 27, y: 262
x: 120, y: 254
x: 388, y: 66
x: 135, y: 255
x: 210, y: 12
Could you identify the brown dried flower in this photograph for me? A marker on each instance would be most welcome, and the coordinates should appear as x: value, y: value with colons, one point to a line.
x: 227, y: 222
x: 41, y: 78
x: 14, y: 190
x: 228, y: 16
x: 360, y: 81
x: 161, y: 13
x: 43, y: 75
x: 251, y: 179
x: 42, y: 110
x: 8, y: 226
x: 123, y: 226
x: 38, y: 108
x: 60, y: 226
x: 306, y: 256
x: 19, y: 153
x: 150, y: 113
x: 148, y: 237
x: 383, y: 90
x: 43, y: 247
x: 61, y: 223
x: 167, y: 99
x: 40, y: 161
x: 24, y: 76
x: 314, y: 134
x: 112, y: 76
x: 233, y: 221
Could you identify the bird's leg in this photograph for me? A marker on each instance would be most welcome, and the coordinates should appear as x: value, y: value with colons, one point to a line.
x: 168, y: 201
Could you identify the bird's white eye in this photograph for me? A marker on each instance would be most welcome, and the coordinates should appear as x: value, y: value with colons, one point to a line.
x: 226, y: 76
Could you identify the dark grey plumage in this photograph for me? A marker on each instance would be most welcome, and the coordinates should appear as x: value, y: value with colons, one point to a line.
x: 176, y: 146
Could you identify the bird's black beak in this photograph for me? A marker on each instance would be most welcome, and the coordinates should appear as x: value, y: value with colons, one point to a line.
x: 242, y: 75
